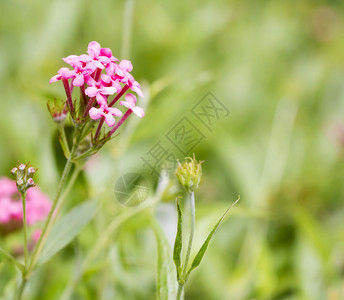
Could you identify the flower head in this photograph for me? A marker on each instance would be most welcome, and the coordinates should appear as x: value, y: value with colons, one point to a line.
x: 189, y: 173
x: 102, y: 80
x: 23, y: 174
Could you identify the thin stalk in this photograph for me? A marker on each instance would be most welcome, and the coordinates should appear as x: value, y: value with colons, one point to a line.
x: 192, y: 230
x: 124, y: 89
x: 21, y: 289
x: 180, y: 291
x: 97, y: 74
x: 88, y: 106
x: 83, y: 95
x: 68, y: 93
x: 101, y: 122
x: 66, y: 191
x: 23, y: 196
x: 120, y: 122
x: 49, y: 221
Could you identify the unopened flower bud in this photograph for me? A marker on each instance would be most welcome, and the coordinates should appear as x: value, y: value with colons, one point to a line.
x: 14, y: 171
x: 20, y: 182
x: 31, y: 171
x: 189, y: 173
x: 30, y: 182
x: 22, y: 167
x: 58, y: 111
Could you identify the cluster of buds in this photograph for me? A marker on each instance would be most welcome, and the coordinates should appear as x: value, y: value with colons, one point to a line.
x: 189, y: 173
x: 102, y: 80
x: 23, y: 174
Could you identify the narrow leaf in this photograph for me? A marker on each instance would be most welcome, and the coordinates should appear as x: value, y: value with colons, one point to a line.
x: 166, y: 280
x: 198, y: 258
x: 64, y: 147
x: 12, y: 259
x: 178, y: 243
x: 67, y: 228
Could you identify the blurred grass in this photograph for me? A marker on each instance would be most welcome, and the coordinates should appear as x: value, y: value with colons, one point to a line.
x: 277, y: 66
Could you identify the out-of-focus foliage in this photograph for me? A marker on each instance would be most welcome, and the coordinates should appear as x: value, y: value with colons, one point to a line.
x: 278, y: 66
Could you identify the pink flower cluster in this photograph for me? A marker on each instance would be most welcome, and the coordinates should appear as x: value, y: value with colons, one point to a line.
x: 99, y: 75
x: 38, y: 204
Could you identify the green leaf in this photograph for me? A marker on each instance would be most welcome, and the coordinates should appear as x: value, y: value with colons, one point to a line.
x: 64, y: 147
x: 166, y: 278
x: 12, y: 259
x: 198, y: 258
x: 178, y: 243
x: 67, y: 228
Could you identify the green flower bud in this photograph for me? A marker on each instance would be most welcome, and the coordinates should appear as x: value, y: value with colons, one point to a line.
x: 189, y: 173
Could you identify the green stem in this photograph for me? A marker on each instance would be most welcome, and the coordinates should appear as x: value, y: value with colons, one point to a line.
x: 23, y: 196
x: 48, y: 223
x: 180, y: 291
x: 71, y: 182
x: 51, y: 216
x: 192, y: 230
x: 21, y: 289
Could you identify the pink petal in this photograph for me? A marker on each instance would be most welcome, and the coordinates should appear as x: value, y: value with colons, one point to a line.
x: 126, y: 104
x: 110, y: 120
x: 71, y: 59
x: 90, y: 81
x: 98, y: 64
x: 106, y: 78
x: 55, y: 78
x: 126, y: 65
x: 91, y: 91
x: 115, y: 111
x: 106, y: 52
x: 93, y: 49
x: 101, y: 99
x: 138, y: 111
x: 108, y: 90
x: 118, y: 70
x: 137, y: 89
x: 95, y: 113
x: 131, y: 99
x: 66, y: 73
x: 85, y: 58
x: 79, y: 80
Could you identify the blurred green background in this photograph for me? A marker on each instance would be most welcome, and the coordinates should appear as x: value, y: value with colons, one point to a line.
x: 278, y: 66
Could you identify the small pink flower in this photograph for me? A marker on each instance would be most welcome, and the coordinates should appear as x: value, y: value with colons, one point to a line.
x: 63, y: 73
x: 98, y: 90
x: 83, y: 68
x: 7, y: 187
x: 101, y: 55
x: 107, y: 112
x: 38, y: 204
x: 130, y: 102
x: 123, y: 72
